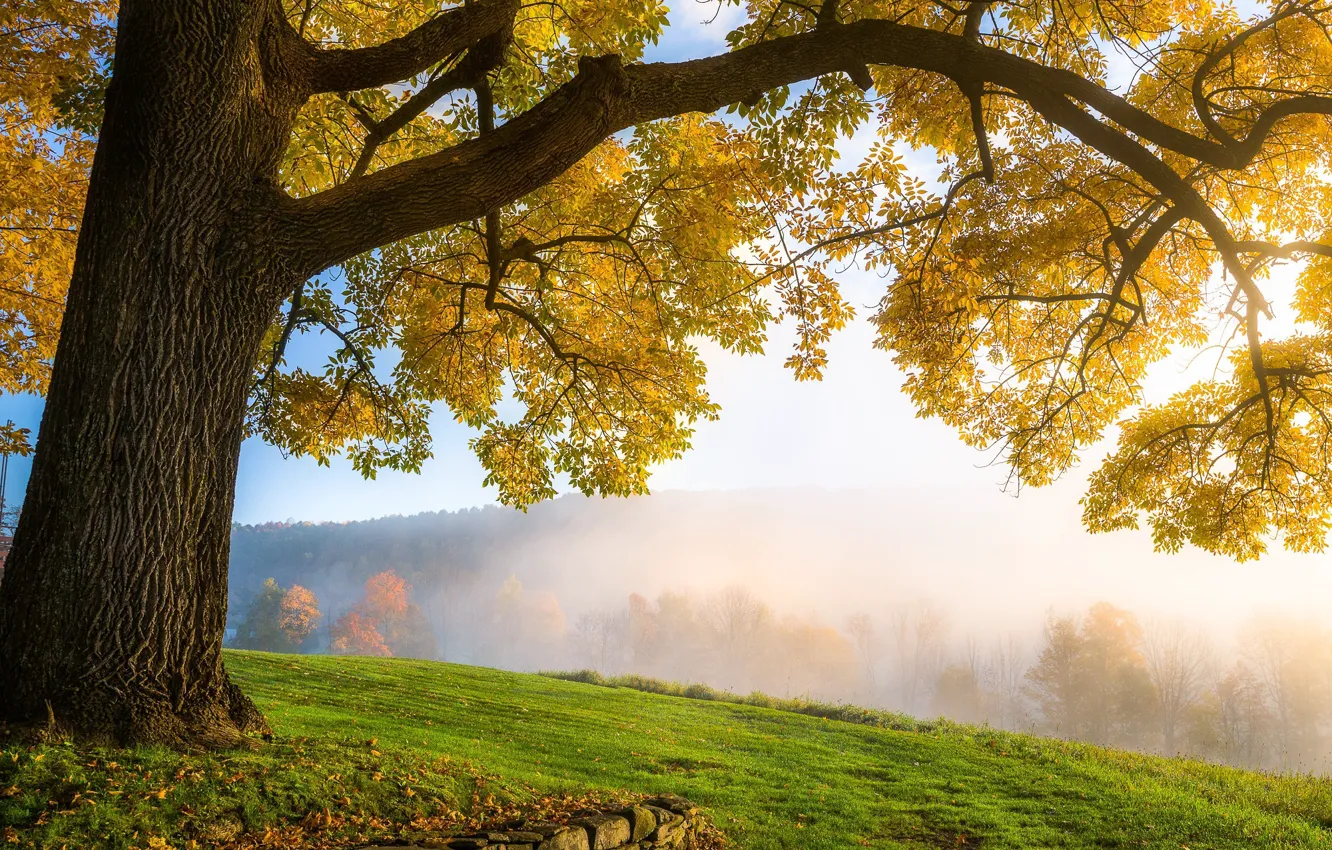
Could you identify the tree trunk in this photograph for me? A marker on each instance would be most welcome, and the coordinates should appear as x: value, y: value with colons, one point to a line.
x: 114, y: 596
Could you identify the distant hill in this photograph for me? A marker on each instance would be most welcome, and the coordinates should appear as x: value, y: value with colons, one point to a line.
x: 572, y: 555
x: 821, y: 554
x: 592, y: 551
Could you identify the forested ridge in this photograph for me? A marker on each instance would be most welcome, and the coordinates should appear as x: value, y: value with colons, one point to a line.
x: 417, y: 546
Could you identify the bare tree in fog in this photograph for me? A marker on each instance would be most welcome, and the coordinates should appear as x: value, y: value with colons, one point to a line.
x: 1005, y: 683
x: 643, y: 632
x: 1231, y: 722
x: 1293, y: 662
x: 971, y: 656
x: 1178, y: 660
x: 861, y: 629
x: 601, y: 638
x: 737, y: 619
x: 919, y: 630
x: 453, y: 609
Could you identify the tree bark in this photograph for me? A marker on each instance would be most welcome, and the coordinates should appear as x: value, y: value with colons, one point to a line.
x: 114, y: 596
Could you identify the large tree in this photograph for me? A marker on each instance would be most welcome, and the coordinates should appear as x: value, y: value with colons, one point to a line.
x: 499, y: 200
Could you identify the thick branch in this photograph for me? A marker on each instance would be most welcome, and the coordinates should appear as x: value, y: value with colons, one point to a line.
x: 1286, y: 251
x: 462, y: 183
x: 404, y: 57
x: 1184, y: 197
x: 471, y: 179
x: 1268, y: 118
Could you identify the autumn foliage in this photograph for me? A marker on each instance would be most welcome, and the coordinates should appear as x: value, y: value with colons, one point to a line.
x: 278, y: 619
x: 46, y: 148
x: 384, y: 621
x: 300, y: 615
x: 386, y: 596
x: 356, y: 633
x: 1084, y: 226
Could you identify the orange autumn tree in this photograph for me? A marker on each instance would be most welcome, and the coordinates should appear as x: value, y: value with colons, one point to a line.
x: 278, y: 619
x: 386, y: 596
x: 384, y: 621
x: 355, y: 633
x: 299, y: 616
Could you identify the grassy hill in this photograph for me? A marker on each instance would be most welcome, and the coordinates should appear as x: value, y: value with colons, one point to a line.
x: 373, y: 748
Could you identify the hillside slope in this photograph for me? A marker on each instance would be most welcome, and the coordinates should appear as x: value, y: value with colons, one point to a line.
x: 518, y: 743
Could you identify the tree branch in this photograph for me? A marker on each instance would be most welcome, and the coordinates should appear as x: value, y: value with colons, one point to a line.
x: 378, y: 132
x: 470, y: 72
x: 448, y: 33
x: 1284, y: 252
x: 469, y: 180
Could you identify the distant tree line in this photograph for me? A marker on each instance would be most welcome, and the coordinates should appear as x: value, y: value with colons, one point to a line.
x: 1102, y: 676
x: 384, y: 621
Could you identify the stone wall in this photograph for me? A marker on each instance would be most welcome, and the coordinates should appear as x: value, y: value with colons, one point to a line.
x: 667, y: 822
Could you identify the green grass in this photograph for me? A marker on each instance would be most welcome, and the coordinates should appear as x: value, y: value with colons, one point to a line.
x: 812, y: 708
x: 458, y: 745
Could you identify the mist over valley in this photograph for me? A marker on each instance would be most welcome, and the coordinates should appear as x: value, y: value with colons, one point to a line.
x: 882, y: 599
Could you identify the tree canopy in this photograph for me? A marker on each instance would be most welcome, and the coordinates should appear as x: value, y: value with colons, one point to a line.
x: 498, y: 200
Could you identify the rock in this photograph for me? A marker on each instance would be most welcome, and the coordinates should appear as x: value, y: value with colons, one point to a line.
x: 562, y: 838
x: 641, y: 822
x: 605, y: 832
x: 525, y: 837
x: 674, y: 803
x: 670, y: 826
x: 506, y: 837
x: 490, y: 840
x: 666, y: 822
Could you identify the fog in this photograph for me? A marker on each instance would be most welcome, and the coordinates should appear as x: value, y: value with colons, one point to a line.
x: 913, y: 600
x: 826, y: 555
